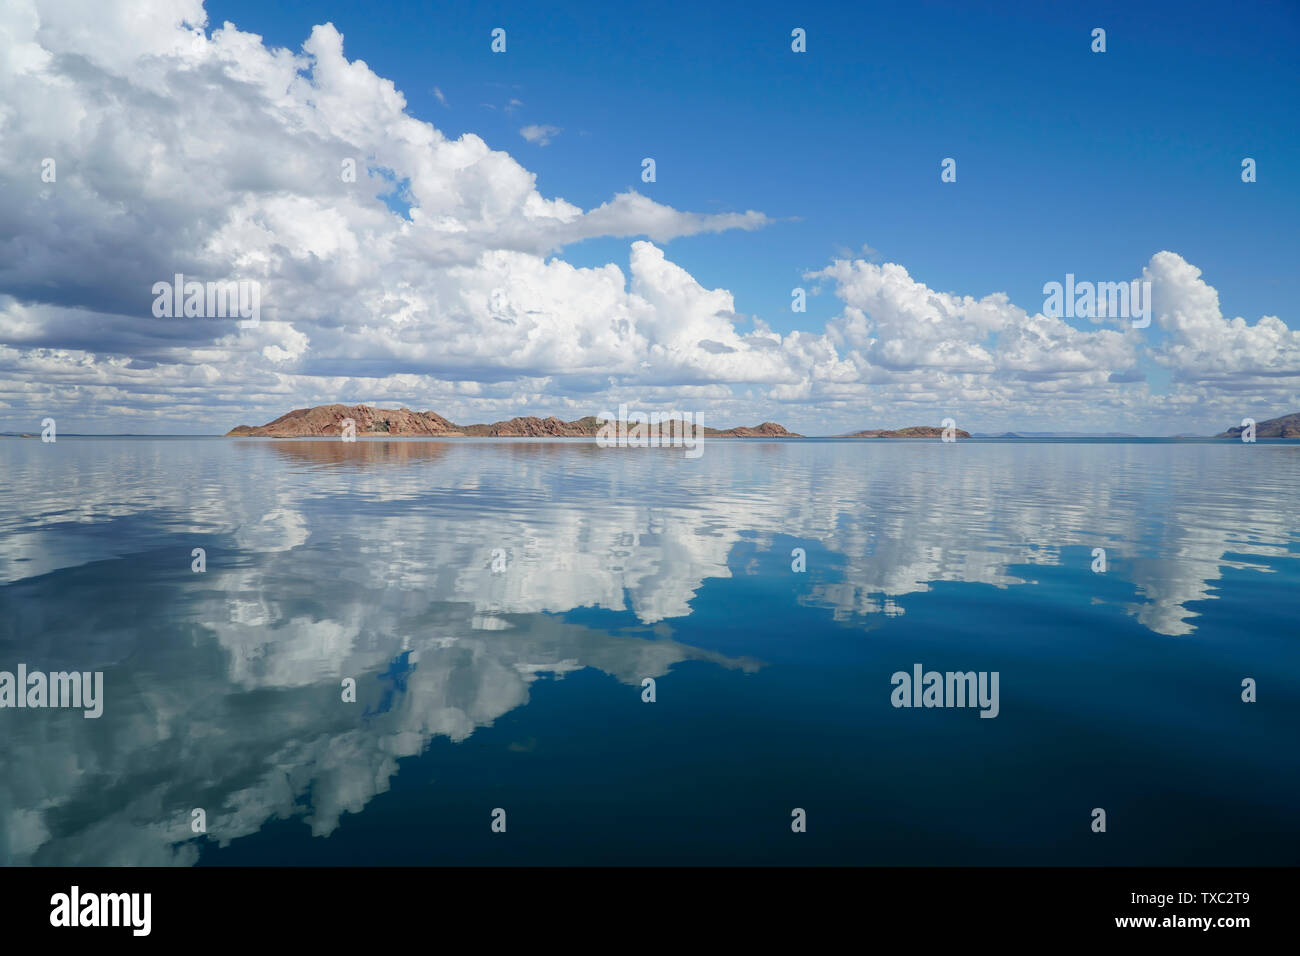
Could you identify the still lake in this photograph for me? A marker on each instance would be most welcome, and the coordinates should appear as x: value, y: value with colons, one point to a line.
x: 500, y: 602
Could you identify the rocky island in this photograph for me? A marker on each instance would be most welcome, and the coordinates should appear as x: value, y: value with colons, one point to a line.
x: 1287, y: 426
x: 325, y: 421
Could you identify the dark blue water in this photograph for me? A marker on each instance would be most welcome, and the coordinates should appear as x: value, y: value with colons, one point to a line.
x: 520, y: 687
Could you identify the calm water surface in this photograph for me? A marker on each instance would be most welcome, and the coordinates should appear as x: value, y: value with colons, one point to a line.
x: 520, y: 686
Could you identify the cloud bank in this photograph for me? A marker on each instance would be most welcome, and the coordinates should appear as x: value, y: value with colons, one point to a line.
x: 147, y: 146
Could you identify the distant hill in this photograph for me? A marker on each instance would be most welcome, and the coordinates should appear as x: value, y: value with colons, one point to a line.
x: 1056, y: 435
x: 912, y: 431
x: 326, y: 421
x: 1288, y: 426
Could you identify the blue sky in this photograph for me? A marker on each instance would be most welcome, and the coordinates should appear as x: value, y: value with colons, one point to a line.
x: 1068, y: 161
x: 186, y: 147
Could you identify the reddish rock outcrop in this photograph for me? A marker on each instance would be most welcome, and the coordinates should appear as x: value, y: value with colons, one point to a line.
x: 765, y: 430
x: 530, y: 427
x: 326, y: 421
x: 1288, y: 426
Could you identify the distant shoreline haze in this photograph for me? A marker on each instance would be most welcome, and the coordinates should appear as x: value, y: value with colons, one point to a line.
x: 371, y: 422
x: 325, y: 421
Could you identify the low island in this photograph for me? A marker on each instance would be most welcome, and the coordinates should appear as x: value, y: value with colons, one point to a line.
x: 325, y: 421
